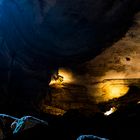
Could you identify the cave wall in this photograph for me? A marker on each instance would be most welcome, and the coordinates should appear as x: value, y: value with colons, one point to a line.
x: 93, y: 82
x: 37, y: 38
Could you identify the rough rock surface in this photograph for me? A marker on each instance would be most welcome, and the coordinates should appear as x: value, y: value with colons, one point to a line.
x: 38, y: 36
x: 120, y: 61
x: 90, y: 137
x: 10, y: 125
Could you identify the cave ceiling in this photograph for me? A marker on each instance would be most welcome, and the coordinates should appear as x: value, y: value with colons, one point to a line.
x: 62, y: 32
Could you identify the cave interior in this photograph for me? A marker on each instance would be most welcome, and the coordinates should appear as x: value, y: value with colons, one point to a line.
x: 74, y: 64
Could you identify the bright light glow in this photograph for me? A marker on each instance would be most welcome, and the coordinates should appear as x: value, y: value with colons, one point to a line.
x: 112, y: 109
x: 57, y: 81
x: 65, y: 76
x: 138, y: 102
x: 114, y: 90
